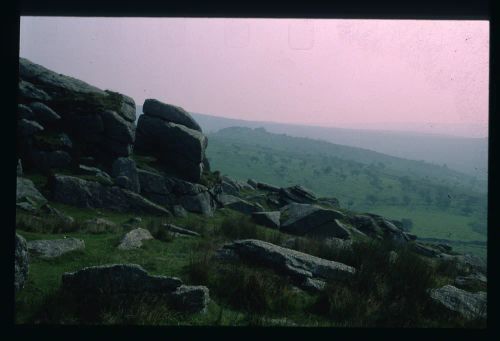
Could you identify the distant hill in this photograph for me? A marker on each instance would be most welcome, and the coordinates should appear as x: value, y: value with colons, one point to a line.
x: 466, y: 155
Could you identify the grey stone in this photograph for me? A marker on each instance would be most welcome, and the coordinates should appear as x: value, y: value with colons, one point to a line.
x: 312, y: 219
x: 98, y: 224
x: 65, y: 141
x: 169, y: 113
x: 23, y: 111
x: 28, y: 128
x: 467, y: 263
x: 91, y: 194
x: 126, y: 167
x: 117, y: 279
x: 296, y: 264
x: 127, y: 110
x: 54, y: 212
x: 27, y: 206
x: 21, y: 263
x: 44, y: 114
x: 252, y: 183
x: 338, y: 243
x: 312, y: 284
x: 134, y: 238
x: 331, y: 202
x: 470, y: 305
x: 26, y: 191
x: 267, y: 187
x: 425, y: 250
x: 19, y: 170
x: 150, y: 182
x: 57, y: 83
x: 29, y: 92
x: 191, y: 299
x: 378, y: 227
x: 180, y: 149
x: 269, y: 219
x: 471, y: 281
x: 54, y: 247
x: 181, y: 230
x: 179, y: 211
x: 238, y: 204
x: 198, y: 203
x: 58, y: 159
x: 229, y: 188
x: 297, y: 194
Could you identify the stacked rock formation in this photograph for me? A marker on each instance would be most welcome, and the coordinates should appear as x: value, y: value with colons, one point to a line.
x: 171, y: 135
x: 63, y: 119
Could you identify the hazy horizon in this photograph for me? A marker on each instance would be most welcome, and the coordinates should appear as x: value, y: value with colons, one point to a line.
x: 393, y: 75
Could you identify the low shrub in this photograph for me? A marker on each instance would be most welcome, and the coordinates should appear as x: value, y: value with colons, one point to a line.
x: 239, y: 228
x: 158, y: 230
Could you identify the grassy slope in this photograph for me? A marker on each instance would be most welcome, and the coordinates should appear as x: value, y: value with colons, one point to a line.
x: 382, y: 187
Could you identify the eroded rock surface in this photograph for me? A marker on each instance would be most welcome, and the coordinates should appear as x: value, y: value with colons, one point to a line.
x: 54, y: 247
x: 126, y: 280
x: 309, y: 271
x: 21, y: 262
x: 468, y: 304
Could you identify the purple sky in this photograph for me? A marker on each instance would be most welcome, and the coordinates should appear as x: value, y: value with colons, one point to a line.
x: 427, y: 76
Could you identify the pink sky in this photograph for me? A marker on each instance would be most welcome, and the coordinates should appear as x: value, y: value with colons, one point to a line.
x: 429, y: 76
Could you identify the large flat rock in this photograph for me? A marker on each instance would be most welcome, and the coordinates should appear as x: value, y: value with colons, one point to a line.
x: 169, y: 113
x: 91, y: 194
x: 54, y: 247
x: 126, y: 280
x: 468, y: 304
x: 304, y: 219
x: 302, y: 266
x: 133, y: 239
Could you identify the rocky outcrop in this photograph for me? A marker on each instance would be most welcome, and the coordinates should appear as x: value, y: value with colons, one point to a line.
x: 91, y: 194
x: 29, y: 92
x: 296, y: 194
x: 169, y: 113
x: 99, y: 174
x: 170, y: 191
x: 55, y: 213
x: 54, y: 247
x: 191, y: 298
x: 472, y: 281
x: 302, y: 219
x: 44, y: 160
x: 126, y: 280
x: 19, y: 170
x: 269, y: 219
x: 378, y: 227
x: 265, y: 187
x: 27, y: 192
x: 173, y: 137
x: 133, y: 239
x: 238, y: 204
x: 126, y: 167
x: 43, y: 114
x: 21, y: 262
x: 99, y: 123
x: 467, y: 263
x: 308, y: 271
x: 470, y: 305
x: 27, y: 128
